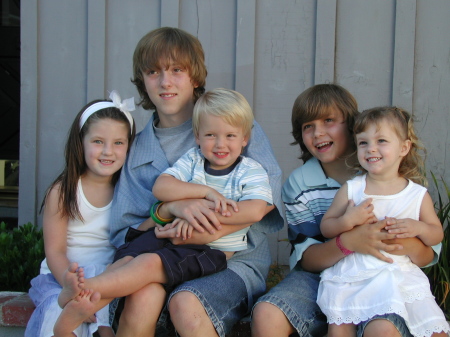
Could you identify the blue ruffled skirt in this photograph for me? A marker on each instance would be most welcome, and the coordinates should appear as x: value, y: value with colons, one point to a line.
x: 44, y: 293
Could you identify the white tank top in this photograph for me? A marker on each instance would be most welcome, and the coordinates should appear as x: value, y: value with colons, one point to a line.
x: 88, y: 241
x: 405, y: 204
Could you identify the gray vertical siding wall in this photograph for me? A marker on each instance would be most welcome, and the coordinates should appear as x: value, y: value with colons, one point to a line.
x: 384, y: 51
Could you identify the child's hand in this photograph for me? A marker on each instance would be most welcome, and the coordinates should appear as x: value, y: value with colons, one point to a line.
x: 183, y: 228
x: 360, y: 214
x: 221, y: 203
x: 404, y: 228
x: 165, y: 232
x: 177, y: 228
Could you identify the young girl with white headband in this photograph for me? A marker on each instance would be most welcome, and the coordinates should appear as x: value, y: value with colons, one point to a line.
x: 77, y: 207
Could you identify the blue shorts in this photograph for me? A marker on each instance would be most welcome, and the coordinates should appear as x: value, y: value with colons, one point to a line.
x: 181, y: 263
x: 223, y: 295
x: 296, y: 297
x: 228, y: 296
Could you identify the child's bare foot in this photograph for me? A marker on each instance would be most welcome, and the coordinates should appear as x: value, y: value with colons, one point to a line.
x: 70, y: 285
x: 76, y: 312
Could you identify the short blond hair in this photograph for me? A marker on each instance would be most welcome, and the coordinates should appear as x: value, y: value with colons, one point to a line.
x: 227, y: 104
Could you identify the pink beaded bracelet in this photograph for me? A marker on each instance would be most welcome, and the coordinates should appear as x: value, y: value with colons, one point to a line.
x: 344, y: 250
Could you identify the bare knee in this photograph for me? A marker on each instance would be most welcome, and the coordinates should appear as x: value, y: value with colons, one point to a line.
x: 381, y: 327
x: 141, y: 311
x: 261, y: 311
x: 277, y: 325
x: 180, y: 305
x: 188, y: 314
x: 343, y: 330
x: 141, y: 299
x: 149, y: 260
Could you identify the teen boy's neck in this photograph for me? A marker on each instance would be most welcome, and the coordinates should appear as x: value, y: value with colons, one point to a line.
x: 171, y: 121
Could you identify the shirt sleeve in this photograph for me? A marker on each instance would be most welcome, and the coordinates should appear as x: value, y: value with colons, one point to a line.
x: 305, y: 207
x: 133, y: 195
x: 437, y: 252
x: 259, y: 149
x: 255, y: 184
x: 182, y: 169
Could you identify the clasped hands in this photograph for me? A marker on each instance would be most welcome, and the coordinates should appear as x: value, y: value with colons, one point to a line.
x: 196, y: 214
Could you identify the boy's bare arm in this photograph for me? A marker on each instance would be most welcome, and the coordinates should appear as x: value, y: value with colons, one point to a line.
x: 428, y: 228
x: 365, y: 239
x: 149, y: 223
x: 250, y: 211
x: 169, y: 188
x: 228, y: 226
x: 419, y: 253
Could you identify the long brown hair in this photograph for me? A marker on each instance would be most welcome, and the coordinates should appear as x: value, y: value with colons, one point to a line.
x: 75, y: 163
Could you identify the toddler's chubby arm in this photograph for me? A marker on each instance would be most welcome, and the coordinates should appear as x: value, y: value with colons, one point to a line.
x: 428, y: 228
x: 343, y: 214
x: 251, y: 211
x: 169, y: 188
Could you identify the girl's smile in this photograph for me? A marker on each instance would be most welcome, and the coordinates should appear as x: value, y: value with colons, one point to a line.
x: 380, y: 150
x: 105, y: 147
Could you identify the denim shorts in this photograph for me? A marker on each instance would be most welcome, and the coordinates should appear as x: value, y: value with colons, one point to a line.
x: 181, y: 263
x: 398, y: 322
x: 223, y: 295
x: 296, y: 297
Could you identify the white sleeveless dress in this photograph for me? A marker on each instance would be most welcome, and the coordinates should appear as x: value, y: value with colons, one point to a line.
x: 360, y: 286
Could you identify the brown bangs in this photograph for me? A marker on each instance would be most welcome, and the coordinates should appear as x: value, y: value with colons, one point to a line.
x: 160, y: 53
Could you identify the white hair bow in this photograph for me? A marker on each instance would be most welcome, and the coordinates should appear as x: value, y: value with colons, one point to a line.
x: 125, y: 106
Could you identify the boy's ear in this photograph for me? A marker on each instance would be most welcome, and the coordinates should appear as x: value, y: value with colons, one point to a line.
x: 406, y: 146
x: 197, y: 141
x: 245, y: 141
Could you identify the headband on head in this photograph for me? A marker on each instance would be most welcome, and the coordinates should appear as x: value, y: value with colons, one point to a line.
x: 125, y: 106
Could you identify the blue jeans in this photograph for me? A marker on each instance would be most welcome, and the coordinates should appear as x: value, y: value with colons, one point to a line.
x: 296, y: 297
x: 223, y: 295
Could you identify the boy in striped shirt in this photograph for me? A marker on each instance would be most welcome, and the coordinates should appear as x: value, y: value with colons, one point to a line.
x: 222, y: 123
